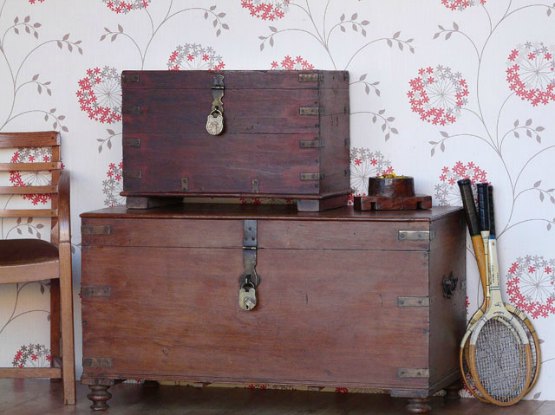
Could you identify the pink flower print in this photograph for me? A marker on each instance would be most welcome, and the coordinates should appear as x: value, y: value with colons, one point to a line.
x: 32, y: 355
x: 35, y: 1
x: 447, y: 191
x: 266, y: 9
x: 125, y: 6
x: 530, y: 285
x: 461, y: 4
x: 366, y: 164
x: 99, y: 95
x: 32, y: 178
x: 289, y: 63
x: 531, y: 73
x: 438, y: 95
x: 113, y: 185
x: 194, y: 56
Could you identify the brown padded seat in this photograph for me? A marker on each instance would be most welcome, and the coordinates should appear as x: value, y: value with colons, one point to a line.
x: 26, y: 251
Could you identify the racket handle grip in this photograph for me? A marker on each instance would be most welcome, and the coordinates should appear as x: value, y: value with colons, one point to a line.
x: 491, y: 213
x: 470, y: 212
x: 480, y: 254
x: 483, y: 206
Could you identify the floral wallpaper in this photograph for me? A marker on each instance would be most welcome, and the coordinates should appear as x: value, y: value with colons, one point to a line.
x: 440, y: 90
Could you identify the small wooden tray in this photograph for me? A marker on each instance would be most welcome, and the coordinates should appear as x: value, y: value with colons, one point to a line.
x: 392, y: 193
x: 392, y: 203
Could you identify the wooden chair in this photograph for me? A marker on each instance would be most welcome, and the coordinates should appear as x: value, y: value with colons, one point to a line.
x: 25, y: 260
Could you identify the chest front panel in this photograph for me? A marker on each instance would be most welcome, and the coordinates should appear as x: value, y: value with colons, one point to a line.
x: 333, y: 307
x: 285, y: 133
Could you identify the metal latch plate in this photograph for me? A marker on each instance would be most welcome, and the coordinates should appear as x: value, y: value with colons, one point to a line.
x: 96, y: 291
x: 309, y: 77
x: 249, y: 233
x: 405, y: 372
x: 96, y: 230
x: 132, y: 142
x: 413, y: 301
x: 415, y: 235
x: 310, y: 144
x: 309, y: 110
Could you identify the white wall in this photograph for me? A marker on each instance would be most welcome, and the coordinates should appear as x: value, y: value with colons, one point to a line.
x: 485, y: 69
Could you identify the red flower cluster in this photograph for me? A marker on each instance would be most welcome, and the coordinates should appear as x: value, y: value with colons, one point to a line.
x: 530, y: 286
x: 460, y: 4
x: 266, y: 10
x: 18, y: 179
x: 123, y: 6
x: 99, y: 95
x: 113, y: 185
x: 447, y: 192
x: 531, y: 73
x: 32, y: 355
x: 288, y: 63
x: 438, y: 95
x: 194, y: 56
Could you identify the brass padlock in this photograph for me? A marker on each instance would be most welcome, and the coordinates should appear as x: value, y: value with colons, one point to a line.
x: 247, y: 297
x: 215, y: 122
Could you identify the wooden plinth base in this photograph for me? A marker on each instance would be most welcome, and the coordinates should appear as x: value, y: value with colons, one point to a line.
x: 392, y: 203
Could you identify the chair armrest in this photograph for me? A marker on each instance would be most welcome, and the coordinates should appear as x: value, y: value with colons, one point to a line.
x: 64, y: 218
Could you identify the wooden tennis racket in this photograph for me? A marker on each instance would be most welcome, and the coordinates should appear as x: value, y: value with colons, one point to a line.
x: 474, y: 230
x: 499, y: 352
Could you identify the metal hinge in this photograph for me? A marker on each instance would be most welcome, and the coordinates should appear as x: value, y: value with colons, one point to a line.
x: 132, y: 142
x: 96, y: 291
x: 250, y: 228
x: 311, y: 144
x: 415, y: 235
x: 413, y: 301
x: 309, y: 77
x: 250, y: 248
x: 405, y: 372
x: 184, y: 184
x: 132, y: 174
x: 97, y: 362
x: 96, y: 230
x: 131, y: 109
x: 128, y: 78
x: 309, y: 110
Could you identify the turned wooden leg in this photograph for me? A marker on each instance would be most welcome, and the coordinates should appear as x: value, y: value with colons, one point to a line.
x: 99, y: 396
x: 418, y: 406
x: 453, y: 390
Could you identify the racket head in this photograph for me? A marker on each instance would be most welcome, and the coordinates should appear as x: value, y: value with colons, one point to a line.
x: 500, y: 359
x: 464, y: 366
x: 531, y: 334
x: 533, y: 339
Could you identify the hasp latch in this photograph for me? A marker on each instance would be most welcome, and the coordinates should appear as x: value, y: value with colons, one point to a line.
x: 249, y: 280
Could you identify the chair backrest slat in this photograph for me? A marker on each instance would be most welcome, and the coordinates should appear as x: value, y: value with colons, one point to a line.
x: 30, y: 166
x: 27, y: 213
x: 34, y: 139
x: 21, y: 142
x: 27, y: 190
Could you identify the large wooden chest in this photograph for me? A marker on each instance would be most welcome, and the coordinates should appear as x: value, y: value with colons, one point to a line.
x: 286, y: 134
x: 345, y: 298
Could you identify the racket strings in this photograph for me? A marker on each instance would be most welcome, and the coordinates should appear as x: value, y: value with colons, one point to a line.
x: 501, y: 364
